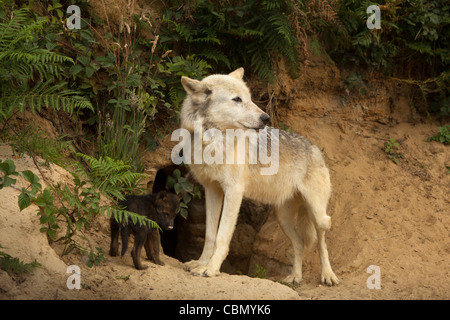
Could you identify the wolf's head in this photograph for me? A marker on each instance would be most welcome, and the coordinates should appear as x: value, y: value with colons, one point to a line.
x: 221, y: 101
x: 167, y: 205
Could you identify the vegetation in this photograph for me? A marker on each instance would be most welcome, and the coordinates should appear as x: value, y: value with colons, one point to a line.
x: 14, y: 266
x: 251, y: 33
x: 182, y: 186
x: 412, y: 44
x: 76, y: 204
x: 391, y: 149
x: 443, y: 136
x: 32, y: 76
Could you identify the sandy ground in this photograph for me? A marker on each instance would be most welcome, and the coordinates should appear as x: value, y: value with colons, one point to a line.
x: 20, y: 237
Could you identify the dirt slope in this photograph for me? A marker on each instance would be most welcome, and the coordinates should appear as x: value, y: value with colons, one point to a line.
x: 20, y: 236
x: 394, y: 216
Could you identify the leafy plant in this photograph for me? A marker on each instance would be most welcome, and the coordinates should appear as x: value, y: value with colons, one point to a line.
x: 30, y: 76
x: 35, y: 142
x: 9, y: 168
x: 259, y: 272
x: 184, y: 187
x: 355, y: 81
x: 15, y: 266
x: 252, y: 33
x: 76, y: 204
x: 412, y: 45
x: 95, y: 258
x: 111, y: 177
x: 125, y: 278
x: 443, y: 136
x: 391, y: 150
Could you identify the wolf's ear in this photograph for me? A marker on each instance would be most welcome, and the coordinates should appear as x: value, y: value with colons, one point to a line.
x: 161, y: 196
x: 238, y: 73
x: 194, y: 87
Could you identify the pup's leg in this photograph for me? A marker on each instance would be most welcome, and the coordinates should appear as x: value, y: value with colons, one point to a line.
x: 232, y: 203
x: 115, y: 230
x: 213, y: 203
x: 286, y: 218
x: 139, y: 240
x: 151, y: 246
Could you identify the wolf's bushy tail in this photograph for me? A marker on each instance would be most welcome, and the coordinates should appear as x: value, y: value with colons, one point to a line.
x: 306, y: 229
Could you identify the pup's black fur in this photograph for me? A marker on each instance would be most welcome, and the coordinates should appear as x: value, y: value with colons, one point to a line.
x: 161, y: 208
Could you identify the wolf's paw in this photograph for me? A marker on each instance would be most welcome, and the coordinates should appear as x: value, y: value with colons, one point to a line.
x: 190, y: 265
x: 329, y: 278
x: 293, y: 278
x: 204, y: 271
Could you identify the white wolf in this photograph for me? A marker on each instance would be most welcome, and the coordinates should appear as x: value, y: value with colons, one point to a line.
x: 300, y: 190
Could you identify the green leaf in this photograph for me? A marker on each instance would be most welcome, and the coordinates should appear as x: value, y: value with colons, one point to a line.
x: 183, y: 213
x: 30, y: 176
x: 187, y: 198
x: 170, y: 182
x: 183, y: 205
x: 177, y: 187
x: 187, y: 186
x: 51, y: 233
x: 85, y: 61
x: 8, y: 167
x: 177, y: 174
x: 79, y: 224
x: 89, y: 71
x: 7, y: 181
x: 24, y: 201
x: 75, y: 69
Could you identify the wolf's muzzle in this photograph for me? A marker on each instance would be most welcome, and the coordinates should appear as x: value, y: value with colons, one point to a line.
x: 265, y: 118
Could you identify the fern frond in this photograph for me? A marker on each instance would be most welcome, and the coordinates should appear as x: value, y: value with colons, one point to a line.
x: 34, y: 141
x: 23, y: 62
x: 110, y: 176
x: 122, y: 215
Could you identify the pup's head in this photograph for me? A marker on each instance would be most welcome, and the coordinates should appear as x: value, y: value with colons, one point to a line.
x: 167, y: 205
x: 222, y: 102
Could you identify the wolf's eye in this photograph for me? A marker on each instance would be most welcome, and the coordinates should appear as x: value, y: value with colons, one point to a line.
x: 237, y: 99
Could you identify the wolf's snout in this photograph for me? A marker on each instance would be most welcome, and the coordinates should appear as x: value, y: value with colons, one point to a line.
x: 265, y: 118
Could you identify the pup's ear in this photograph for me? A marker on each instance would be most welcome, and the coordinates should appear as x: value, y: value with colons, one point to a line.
x: 180, y: 195
x: 238, y: 73
x: 161, y: 196
x: 194, y: 87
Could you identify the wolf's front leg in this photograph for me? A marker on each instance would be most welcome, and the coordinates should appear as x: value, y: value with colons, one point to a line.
x: 213, y: 203
x: 231, y: 206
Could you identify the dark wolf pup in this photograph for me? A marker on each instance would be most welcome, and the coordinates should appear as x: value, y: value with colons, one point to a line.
x: 161, y: 208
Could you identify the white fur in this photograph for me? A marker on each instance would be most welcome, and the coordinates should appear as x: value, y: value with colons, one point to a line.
x: 300, y: 190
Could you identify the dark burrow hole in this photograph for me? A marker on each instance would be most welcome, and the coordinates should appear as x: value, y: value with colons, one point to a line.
x: 185, y: 241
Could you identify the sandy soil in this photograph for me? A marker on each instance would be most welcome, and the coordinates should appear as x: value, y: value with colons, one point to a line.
x: 20, y: 237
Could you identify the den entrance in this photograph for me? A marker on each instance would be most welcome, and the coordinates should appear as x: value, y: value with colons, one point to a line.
x: 185, y: 241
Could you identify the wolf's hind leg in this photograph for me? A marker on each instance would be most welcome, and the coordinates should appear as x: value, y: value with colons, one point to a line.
x: 322, y: 222
x: 286, y: 218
